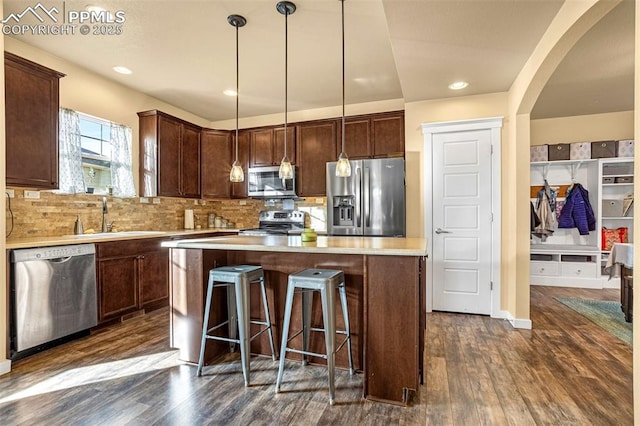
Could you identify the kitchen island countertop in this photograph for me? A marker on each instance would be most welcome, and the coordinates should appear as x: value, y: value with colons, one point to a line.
x: 380, y: 246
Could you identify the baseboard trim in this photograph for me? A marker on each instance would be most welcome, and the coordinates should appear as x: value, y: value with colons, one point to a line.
x: 5, y: 366
x: 525, y: 324
x: 500, y: 314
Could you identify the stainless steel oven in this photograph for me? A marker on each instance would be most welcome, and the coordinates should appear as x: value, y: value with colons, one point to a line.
x: 277, y: 222
x: 53, y: 293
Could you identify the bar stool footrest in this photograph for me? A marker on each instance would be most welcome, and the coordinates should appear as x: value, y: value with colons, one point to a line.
x: 296, y: 351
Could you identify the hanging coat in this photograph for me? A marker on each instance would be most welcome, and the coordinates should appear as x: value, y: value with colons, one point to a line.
x: 545, y: 213
x: 535, y: 220
x: 577, y: 211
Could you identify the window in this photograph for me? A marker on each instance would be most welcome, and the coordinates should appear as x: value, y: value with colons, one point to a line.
x: 95, y: 156
x: 95, y: 140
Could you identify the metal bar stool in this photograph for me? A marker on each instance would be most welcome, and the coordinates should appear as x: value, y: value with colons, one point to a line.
x: 239, y: 277
x: 309, y: 281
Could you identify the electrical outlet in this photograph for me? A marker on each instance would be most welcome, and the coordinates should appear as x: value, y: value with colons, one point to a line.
x: 243, y: 202
x: 144, y: 200
x: 10, y: 193
x: 319, y: 201
x: 34, y: 195
x: 156, y: 201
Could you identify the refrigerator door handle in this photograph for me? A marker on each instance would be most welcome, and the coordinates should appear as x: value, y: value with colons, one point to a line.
x: 358, y: 189
x: 367, y: 197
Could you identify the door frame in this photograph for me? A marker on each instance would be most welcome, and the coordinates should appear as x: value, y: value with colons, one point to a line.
x: 494, y: 124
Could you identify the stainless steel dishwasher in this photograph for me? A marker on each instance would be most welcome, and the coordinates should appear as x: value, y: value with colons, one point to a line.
x: 53, y: 294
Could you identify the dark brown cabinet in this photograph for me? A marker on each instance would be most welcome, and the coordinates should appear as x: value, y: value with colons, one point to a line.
x: 316, y: 144
x: 387, y: 134
x: 267, y: 146
x: 217, y: 152
x: 131, y: 275
x: 170, y: 156
x: 31, y: 119
x: 239, y: 189
x: 374, y: 136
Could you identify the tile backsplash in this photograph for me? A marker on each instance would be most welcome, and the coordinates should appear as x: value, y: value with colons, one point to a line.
x: 55, y: 215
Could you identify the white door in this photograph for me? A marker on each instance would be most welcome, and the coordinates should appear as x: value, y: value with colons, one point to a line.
x: 462, y: 234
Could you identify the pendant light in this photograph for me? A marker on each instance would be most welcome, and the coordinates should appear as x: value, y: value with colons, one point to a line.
x: 285, y: 8
x: 237, y: 174
x: 343, y: 168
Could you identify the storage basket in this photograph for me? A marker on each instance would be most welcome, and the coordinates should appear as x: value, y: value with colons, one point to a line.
x: 603, y: 149
x: 560, y: 151
x: 580, y: 151
x: 539, y: 153
x: 611, y: 208
x: 625, y: 148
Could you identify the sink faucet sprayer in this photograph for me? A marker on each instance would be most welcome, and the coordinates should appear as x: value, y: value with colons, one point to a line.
x: 105, y: 228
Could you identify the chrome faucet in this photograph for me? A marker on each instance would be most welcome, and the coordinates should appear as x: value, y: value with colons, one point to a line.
x: 105, y: 227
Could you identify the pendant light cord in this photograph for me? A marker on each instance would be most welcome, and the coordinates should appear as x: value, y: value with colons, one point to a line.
x: 237, y: 89
x: 343, y: 125
x: 286, y: 68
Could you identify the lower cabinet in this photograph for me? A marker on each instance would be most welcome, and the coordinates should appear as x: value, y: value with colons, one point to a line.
x: 132, y: 275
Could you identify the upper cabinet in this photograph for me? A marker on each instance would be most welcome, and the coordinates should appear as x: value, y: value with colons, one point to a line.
x: 374, y: 136
x: 217, y: 156
x: 31, y: 117
x: 316, y: 144
x: 170, y: 156
x: 180, y: 159
x: 267, y: 146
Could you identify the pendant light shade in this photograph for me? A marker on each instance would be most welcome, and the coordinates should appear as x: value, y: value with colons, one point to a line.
x: 237, y: 174
x: 343, y: 167
x: 285, y: 8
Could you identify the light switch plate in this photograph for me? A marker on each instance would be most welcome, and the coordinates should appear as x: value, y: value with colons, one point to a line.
x: 243, y: 202
x: 34, y: 195
x: 144, y: 200
x: 156, y: 201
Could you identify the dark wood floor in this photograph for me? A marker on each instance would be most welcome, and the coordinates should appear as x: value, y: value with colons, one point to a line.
x: 480, y: 371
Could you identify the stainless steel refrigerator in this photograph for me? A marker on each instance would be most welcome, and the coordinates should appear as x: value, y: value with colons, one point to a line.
x: 370, y: 202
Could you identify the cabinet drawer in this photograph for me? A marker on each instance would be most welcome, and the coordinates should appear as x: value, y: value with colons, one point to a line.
x: 128, y: 247
x: 545, y: 268
x: 578, y: 269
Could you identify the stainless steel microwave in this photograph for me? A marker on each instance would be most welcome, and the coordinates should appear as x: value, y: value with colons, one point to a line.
x: 265, y: 183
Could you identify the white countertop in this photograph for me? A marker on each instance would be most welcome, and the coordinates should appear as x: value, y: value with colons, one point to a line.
x: 106, y: 236
x: 293, y: 244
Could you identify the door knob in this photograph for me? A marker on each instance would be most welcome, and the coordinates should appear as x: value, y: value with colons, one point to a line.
x: 441, y: 231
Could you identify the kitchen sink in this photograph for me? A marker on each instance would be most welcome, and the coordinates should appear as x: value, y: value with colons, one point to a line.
x: 116, y: 234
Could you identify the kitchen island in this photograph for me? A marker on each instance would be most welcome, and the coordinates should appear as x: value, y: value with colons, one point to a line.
x: 385, y: 280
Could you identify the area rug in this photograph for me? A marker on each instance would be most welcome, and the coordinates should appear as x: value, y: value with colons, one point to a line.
x: 606, y: 314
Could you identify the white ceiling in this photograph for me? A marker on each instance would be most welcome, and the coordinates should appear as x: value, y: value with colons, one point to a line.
x: 183, y: 52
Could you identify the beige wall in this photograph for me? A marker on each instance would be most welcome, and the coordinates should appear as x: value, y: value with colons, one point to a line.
x: 594, y: 127
x: 636, y: 220
x: 312, y: 114
x: 84, y: 91
x: 417, y: 113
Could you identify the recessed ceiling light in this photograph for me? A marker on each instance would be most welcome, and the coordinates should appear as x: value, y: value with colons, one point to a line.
x: 91, y: 8
x: 458, y: 85
x: 122, y: 70
x: 230, y: 92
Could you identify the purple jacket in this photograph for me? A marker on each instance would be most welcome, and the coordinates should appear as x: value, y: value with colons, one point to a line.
x: 577, y: 212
